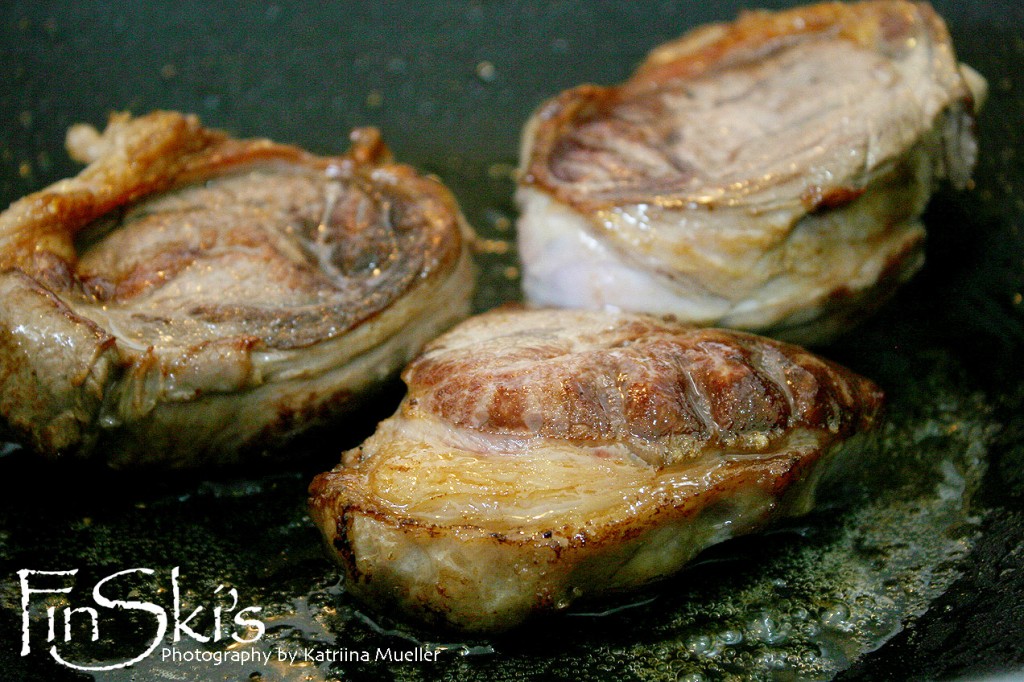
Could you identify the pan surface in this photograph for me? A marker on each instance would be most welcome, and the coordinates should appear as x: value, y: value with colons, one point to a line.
x: 918, y: 571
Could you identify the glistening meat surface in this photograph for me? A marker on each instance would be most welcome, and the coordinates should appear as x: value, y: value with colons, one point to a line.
x: 541, y: 456
x: 768, y: 174
x: 190, y: 298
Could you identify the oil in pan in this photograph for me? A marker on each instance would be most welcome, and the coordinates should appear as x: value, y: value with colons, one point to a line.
x: 800, y: 602
x: 804, y: 601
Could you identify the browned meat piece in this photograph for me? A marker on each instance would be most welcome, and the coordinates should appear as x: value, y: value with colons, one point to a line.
x: 542, y: 456
x: 768, y: 174
x: 189, y: 298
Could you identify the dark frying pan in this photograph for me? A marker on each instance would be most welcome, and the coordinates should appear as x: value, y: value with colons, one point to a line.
x: 919, y: 576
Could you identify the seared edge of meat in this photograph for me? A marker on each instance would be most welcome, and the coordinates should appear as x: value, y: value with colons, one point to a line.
x: 92, y: 361
x: 894, y: 31
x: 767, y: 174
x: 546, y: 456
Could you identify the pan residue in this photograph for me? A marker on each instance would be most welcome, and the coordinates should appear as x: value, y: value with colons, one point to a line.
x: 803, y: 601
x: 800, y: 602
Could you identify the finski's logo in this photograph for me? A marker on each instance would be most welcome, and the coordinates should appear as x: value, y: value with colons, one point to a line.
x: 241, y: 622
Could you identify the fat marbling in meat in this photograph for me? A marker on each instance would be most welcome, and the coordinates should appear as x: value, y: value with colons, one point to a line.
x: 190, y: 298
x: 542, y: 456
x: 769, y: 174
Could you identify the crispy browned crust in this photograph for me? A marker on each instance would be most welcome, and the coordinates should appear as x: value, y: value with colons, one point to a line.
x: 641, y: 380
x: 139, y: 157
x: 880, y: 25
x: 133, y: 158
x: 730, y: 414
x: 108, y: 358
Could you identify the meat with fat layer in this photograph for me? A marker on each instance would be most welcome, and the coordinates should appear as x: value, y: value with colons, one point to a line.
x: 541, y: 456
x: 190, y: 298
x: 768, y: 174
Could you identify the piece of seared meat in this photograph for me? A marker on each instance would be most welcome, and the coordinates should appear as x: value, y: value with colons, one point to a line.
x: 541, y: 456
x: 767, y: 175
x: 190, y: 298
